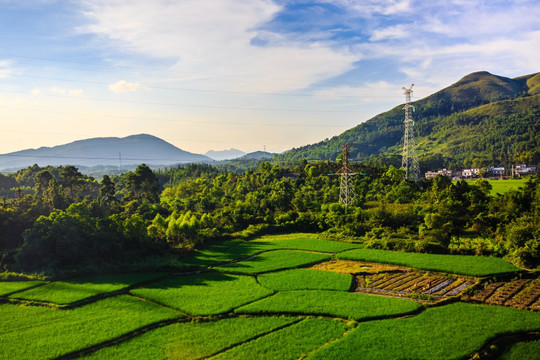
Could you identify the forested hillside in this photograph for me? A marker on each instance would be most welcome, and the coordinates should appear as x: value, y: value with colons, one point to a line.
x: 60, y: 221
x: 482, y: 120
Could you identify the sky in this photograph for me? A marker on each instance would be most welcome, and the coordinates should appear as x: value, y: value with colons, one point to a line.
x: 251, y: 75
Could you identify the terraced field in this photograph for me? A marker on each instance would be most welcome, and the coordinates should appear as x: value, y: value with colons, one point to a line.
x: 283, y: 297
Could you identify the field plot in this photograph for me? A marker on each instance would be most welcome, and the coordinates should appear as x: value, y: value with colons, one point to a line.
x: 66, y: 292
x: 452, y: 331
x: 192, y: 340
x: 354, y: 267
x: 289, y: 343
x: 304, y: 279
x: 503, y: 186
x: 208, y: 293
x: 521, y: 293
x: 274, y: 260
x: 411, y: 283
x: 346, y: 305
x: 35, y: 332
x: 7, y: 287
x: 213, y: 254
x: 456, y: 264
x: 297, y: 242
x: 522, y: 351
x: 227, y: 251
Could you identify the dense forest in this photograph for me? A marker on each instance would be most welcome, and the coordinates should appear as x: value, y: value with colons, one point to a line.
x: 480, y: 121
x: 55, y: 220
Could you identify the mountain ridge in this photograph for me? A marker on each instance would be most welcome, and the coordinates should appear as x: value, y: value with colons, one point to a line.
x: 382, y: 135
x: 105, y: 151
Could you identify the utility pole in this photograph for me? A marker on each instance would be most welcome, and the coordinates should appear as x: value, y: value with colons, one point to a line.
x: 346, y: 188
x: 409, y: 161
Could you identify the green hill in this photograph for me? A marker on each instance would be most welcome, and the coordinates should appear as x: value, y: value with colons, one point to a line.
x: 481, y: 120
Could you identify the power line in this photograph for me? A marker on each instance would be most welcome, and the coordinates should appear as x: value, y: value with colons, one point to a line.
x: 272, y: 124
x: 196, y: 106
x: 199, y: 90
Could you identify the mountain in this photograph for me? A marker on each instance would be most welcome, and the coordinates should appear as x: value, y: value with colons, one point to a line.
x: 481, y: 120
x: 106, y: 151
x: 257, y: 155
x: 224, y: 154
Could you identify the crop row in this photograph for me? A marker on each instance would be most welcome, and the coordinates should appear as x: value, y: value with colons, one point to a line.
x: 412, y: 282
x: 521, y: 294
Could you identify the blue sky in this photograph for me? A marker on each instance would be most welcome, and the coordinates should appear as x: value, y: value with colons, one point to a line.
x: 256, y: 74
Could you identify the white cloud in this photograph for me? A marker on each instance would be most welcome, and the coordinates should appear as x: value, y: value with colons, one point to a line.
x: 124, y: 86
x: 391, y: 32
x: 35, y: 92
x: 5, y: 69
x: 212, y: 39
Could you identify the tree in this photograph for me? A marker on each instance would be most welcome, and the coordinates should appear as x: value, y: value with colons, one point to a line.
x: 71, y: 181
x: 142, y: 185
x: 107, y: 190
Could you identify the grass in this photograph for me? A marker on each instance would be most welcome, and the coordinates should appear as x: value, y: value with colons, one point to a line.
x: 522, y: 350
x: 208, y: 293
x: 304, y: 279
x: 289, y: 343
x: 66, y: 292
x: 7, y: 287
x: 452, y: 331
x: 503, y: 186
x: 274, y: 260
x: 35, y: 332
x: 346, y: 305
x: 456, y: 264
x: 306, y: 242
x: 193, y: 340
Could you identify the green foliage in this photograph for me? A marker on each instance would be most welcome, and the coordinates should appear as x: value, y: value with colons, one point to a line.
x: 35, y: 332
x: 347, y: 305
x: 305, y: 279
x: 289, y: 343
x: 482, y: 120
x: 456, y: 264
x: 274, y: 260
x: 192, y: 340
x: 204, y: 294
x: 425, y: 336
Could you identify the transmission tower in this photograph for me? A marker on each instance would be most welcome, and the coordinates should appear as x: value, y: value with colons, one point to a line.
x: 409, y: 161
x: 346, y: 189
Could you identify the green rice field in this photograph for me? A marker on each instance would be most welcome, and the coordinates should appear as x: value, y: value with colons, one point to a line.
x: 8, y: 287
x: 305, y: 279
x: 263, y: 304
x: 503, y: 186
x: 456, y: 264
x: 66, y: 292
x: 274, y: 260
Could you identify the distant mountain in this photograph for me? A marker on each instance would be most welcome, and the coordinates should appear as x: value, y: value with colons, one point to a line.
x: 107, y: 151
x: 224, y: 154
x: 481, y: 120
x: 257, y: 155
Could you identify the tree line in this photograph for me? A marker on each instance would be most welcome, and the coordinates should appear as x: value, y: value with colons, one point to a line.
x: 55, y: 219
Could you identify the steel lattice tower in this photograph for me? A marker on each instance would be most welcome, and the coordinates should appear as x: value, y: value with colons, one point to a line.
x: 409, y: 161
x: 346, y: 188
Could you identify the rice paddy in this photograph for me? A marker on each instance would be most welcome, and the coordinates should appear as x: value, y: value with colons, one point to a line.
x: 281, y: 297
